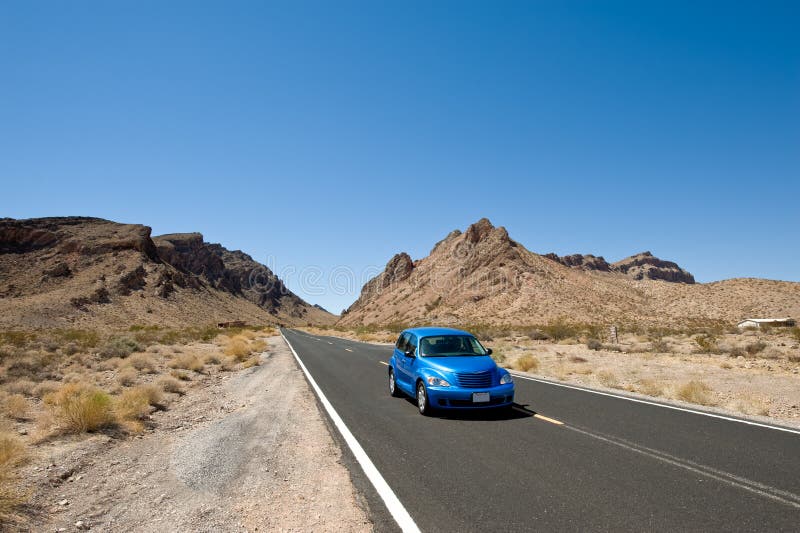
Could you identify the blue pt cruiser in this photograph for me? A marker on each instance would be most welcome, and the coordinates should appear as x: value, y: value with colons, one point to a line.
x: 447, y: 369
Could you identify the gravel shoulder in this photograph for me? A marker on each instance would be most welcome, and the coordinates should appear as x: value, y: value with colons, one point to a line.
x: 245, y: 452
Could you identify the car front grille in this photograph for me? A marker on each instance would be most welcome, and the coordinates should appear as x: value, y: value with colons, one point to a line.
x: 479, y: 380
x: 497, y: 400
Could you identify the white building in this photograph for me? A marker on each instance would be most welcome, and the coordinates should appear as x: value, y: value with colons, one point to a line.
x: 756, y: 323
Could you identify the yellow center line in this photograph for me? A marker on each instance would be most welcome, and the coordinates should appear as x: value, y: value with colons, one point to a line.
x: 551, y: 420
x: 381, y: 362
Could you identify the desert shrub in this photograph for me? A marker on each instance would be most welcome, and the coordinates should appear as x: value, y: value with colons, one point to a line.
x: 82, y: 337
x: 71, y: 349
x: 141, y: 362
x: 170, y: 384
x: 130, y: 408
x: 577, y: 359
x: 594, y: 344
x: 606, y: 378
x: 737, y: 351
x: 110, y: 364
x: 560, y: 330
x: 795, y: 332
x: 659, y: 346
x: 794, y: 358
x: 45, y: 387
x: 535, y: 334
x: 253, y: 361
x: 79, y: 407
x: 212, y: 359
x: 527, y: 363
x: 238, y: 348
x: 119, y: 347
x: 706, y: 344
x: 20, y: 386
x: 17, y: 338
x: 771, y: 353
x: 650, y: 387
x: 12, y: 453
x: 755, y: 347
x: 153, y: 393
x: 186, y: 361
x: 16, y: 406
x: 258, y: 345
x: 695, y: 392
x: 127, y: 376
x: 180, y: 374
x: 612, y: 347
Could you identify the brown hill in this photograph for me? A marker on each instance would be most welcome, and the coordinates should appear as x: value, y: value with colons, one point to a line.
x: 483, y: 276
x: 87, y: 272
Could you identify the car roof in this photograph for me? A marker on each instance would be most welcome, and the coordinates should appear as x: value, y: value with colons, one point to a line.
x: 430, y: 331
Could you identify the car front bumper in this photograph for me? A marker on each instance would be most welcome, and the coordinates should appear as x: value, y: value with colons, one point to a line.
x: 461, y: 398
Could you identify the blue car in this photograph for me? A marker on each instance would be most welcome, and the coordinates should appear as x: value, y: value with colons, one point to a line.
x: 447, y: 368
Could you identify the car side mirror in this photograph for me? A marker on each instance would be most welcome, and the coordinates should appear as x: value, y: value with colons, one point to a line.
x: 409, y: 353
x: 488, y: 351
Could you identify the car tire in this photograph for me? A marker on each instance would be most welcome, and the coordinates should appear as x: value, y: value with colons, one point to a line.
x: 394, y: 390
x: 423, y: 403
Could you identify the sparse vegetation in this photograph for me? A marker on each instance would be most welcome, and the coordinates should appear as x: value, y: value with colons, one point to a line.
x: 186, y: 362
x: 659, y: 346
x: 755, y: 347
x: 15, y: 406
x: 526, y: 363
x: 170, y: 384
x: 119, y: 347
x: 80, y: 408
x: 650, y: 387
x: 695, y: 392
x: 607, y: 378
x: 594, y: 344
x: 127, y: 376
x: 12, y: 453
x: 706, y: 344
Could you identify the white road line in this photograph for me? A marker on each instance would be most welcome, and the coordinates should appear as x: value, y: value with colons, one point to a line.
x: 657, y: 404
x: 348, y: 350
x: 782, y: 496
x: 397, y: 510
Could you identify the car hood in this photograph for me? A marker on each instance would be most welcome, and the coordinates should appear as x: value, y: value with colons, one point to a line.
x: 480, y: 363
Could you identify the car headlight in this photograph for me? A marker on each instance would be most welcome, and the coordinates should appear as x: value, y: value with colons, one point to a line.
x: 506, y: 378
x: 437, y: 382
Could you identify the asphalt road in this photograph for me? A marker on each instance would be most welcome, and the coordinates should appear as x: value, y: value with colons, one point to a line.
x: 565, y: 459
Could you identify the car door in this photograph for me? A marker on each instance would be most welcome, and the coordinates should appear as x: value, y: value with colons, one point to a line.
x: 400, y: 359
x: 409, y: 362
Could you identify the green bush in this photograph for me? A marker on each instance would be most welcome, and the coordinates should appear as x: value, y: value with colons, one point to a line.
x: 119, y: 347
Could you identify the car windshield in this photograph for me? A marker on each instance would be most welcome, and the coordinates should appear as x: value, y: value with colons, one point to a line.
x: 450, y: 346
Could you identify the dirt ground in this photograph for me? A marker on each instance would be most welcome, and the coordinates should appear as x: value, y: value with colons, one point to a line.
x: 246, y: 451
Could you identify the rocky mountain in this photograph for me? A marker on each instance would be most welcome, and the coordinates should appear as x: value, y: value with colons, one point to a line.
x: 640, y: 266
x: 79, y: 271
x: 484, y: 276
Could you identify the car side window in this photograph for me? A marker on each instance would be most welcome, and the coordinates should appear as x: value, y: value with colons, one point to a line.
x: 412, y: 344
x: 401, y: 342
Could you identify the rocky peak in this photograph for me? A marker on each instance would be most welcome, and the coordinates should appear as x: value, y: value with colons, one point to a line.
x: 647, y: 266
x: 483, y: 230
x: 583, y: 262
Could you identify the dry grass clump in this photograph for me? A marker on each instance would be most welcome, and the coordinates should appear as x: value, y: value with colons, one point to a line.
x: 650, y: 387
x: 80, y: 408
x: 127, y: 376
x: 21, y: 386
x: 660, y: 346
x: 755, y: 347
x: 45, y: 387
x: 577, y: 359
x: 170, y: 384
x: 526, y: 363
x: 12, y: 453
x: 141, y: 362
x: 212, y: 359
x: 607, y: 378
x: 695, y: 392
x: 752, y: 405
x: 594, y: 344
x: 130, y: 408
x: 238, y: 347
x: 253, y: 361
x: 186, y: 361
x: 180, y: 374
x: 16, y: 406
x: 794, y: 358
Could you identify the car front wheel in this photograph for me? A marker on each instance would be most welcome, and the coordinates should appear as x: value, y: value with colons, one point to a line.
x: 422, y: 400
x: 394, y: 391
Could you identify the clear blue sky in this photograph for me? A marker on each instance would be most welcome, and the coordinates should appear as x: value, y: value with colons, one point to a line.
x: 337, y: 134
